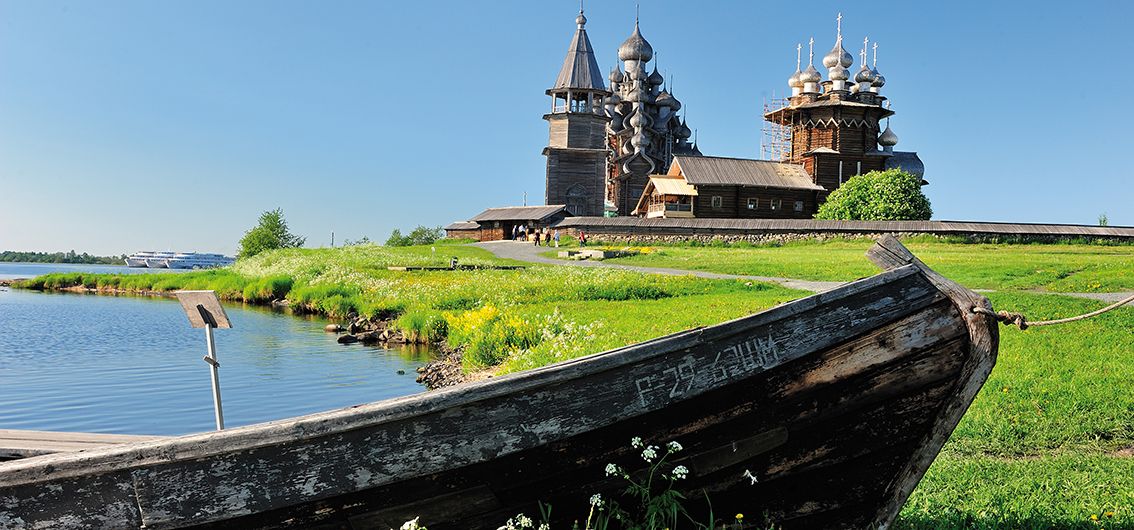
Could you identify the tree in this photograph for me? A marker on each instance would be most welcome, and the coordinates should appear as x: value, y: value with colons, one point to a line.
x: 271, y: 233
x: 422, y: 235
x: 890, y: 195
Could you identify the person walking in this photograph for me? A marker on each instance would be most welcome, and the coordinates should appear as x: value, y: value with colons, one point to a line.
x: 556, y: 238
x: 582, y: 238
x: 535, y: 237
x: 515, y: 230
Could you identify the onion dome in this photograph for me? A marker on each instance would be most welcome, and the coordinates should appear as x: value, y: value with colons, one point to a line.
x: 639, y: 119
x: 616, y: 75
x: 640, y: 141
x: 636, y: 48
x: 879, y: 81
x: 612, y: 99
x: 683, y: 132
x: 864, y: 75
x: 887, y: 138
x: 810, y: 75
x: 838, y: 56
x: 838, y: 73
x: 665, y: 99
x: 581, y: 20
x: 796, y: 81
x: 655, y: 78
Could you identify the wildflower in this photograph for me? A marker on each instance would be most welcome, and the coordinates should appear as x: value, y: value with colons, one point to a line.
x: 636, y: 442
x: 739, y: 517
x: 680, y: 472
x: 1108, y: 514
x: 1094, y: 517
x: 650, y: 453
x: 748, y: 475
x: 412, y: 524
x: 673, y: 447
x: 524, y: 521
x: 544, y: 526
x: 612, y: 470
x: 596, y: 500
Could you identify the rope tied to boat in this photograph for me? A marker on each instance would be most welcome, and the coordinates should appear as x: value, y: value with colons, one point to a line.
x: 1009, y: 318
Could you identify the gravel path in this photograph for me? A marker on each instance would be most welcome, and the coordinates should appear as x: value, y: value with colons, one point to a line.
x: 521, y: 251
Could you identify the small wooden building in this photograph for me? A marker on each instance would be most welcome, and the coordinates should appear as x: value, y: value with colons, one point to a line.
x: 719, y: 187
x: 498, y: 223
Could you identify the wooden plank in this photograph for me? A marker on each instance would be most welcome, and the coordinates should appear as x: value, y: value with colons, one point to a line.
x: 23, y: 444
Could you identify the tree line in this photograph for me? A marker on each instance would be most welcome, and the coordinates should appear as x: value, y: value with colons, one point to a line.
x: 9, y: 256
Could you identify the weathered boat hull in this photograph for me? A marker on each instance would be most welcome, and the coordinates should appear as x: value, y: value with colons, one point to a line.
x: 837, y: 403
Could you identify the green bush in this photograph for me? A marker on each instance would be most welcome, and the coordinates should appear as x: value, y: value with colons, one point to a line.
x: 890, y: 195
x: 269, y: 234
x: 422, y: 235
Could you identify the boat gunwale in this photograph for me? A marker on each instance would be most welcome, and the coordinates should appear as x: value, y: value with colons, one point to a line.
x: 296, y: 429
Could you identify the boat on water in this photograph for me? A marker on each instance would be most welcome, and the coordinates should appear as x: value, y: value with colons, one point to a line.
x: 824, y: 412
x: 178, y: 260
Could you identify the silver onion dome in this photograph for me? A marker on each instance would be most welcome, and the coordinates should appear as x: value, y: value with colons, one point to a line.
x: 581, y: 20
x: 838, y: 56
x: 838, y: 73
x: 655, y: 77
x: 636, y: 48
x: 683, y: 132
x: 796, y: 81
x: 616, y: 75
x: 887, y: 138
x: 864, y: 75
x: 810, y: 75
x: 665, y: 99
x: 879, y: 80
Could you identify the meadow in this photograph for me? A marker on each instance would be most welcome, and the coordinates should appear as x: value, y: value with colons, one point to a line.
x: 1048, y: 443
x: 1068, y: 268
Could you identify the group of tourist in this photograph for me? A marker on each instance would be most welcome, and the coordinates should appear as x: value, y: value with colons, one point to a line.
x: 521, y: 232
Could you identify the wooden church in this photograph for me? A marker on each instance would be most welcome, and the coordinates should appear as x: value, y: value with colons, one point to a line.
x: 625, y: 150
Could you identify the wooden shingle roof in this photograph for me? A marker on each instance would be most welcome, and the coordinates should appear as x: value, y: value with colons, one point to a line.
x: 520, y: 213
x: 702, y: 170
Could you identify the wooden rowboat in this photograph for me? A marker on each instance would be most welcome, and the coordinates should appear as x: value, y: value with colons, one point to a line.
x: 837, y: 403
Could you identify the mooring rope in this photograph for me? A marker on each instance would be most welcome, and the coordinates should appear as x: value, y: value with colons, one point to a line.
x: 1009, y: 318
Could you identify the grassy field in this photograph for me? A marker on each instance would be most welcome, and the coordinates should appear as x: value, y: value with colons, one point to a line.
x: 1048, y: 443
x: 1053, y: 267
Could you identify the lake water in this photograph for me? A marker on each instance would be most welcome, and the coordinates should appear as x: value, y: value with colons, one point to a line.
x: 132, y: 365
x: 10, y: 271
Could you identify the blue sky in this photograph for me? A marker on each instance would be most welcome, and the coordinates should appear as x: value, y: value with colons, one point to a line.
x: 130, y: 125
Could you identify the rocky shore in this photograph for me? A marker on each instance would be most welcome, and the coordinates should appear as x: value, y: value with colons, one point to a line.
x: 441, y: 372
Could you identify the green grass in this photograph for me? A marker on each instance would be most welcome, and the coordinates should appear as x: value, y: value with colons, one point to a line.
x: 1053, y: 267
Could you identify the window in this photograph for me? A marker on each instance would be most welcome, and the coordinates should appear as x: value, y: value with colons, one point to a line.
x: 799, y: 206
x: 717, y: 202
x: 577, y: 200
x: 776, y: 204
x: 753, y: 204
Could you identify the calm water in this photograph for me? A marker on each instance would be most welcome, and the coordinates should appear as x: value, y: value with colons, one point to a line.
x: 71, y: 362
x: 10, y: 271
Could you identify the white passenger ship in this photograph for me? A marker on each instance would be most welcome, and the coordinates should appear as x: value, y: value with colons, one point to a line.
x: 178, y: 260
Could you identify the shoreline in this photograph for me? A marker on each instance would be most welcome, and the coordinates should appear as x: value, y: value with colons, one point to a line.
x: 441, y: 372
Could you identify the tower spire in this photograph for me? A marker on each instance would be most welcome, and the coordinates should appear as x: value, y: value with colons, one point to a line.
x: 862, y: 54
x: 811, y: 51
x: 875, y: 63
x: 798, y: 50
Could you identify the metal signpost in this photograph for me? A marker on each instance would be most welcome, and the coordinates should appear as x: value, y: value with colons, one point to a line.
x: 204, y: 311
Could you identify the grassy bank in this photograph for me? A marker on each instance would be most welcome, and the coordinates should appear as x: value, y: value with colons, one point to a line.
x: 1054, y: 267
x: 504, y: 319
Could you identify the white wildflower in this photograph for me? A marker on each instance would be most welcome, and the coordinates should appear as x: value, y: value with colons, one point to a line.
x: 411, y: 524
x: 612, y: 470
x: 748, y: 475
x: 596, y: 500
x: 544, y: 526
x: 680, y: 472
x: 636, y: 442
x: 524, y: 521
x: 650, y: 453
x: 673, y: 447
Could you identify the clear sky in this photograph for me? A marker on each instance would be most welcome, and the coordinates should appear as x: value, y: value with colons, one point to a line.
x: 140, y: 125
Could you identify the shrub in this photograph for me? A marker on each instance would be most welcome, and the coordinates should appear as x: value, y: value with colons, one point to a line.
x: 422, y: 235
x: 890, y: 195
x: 271, y: 233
